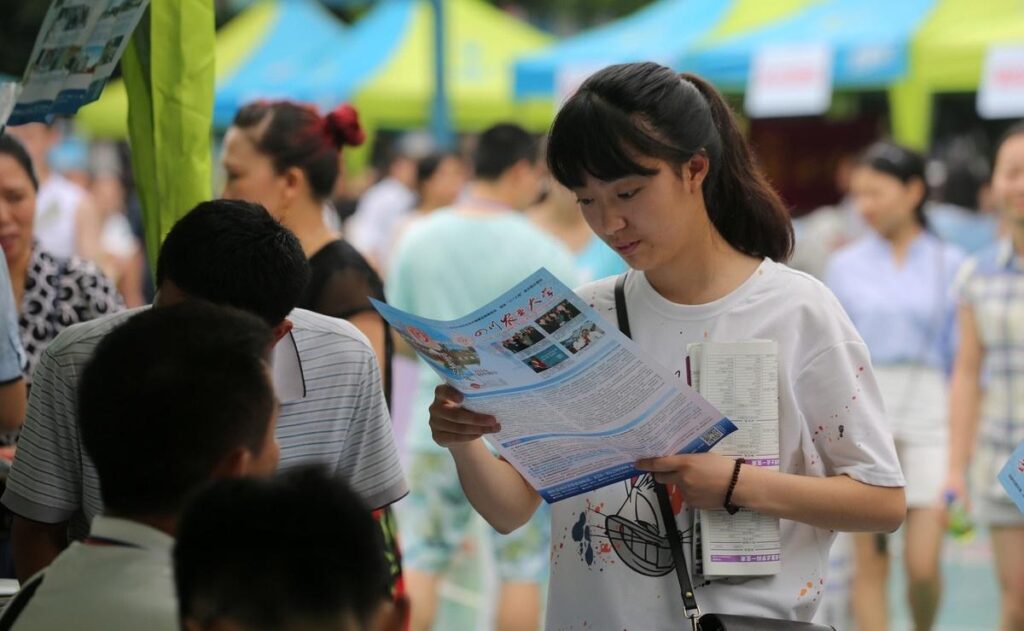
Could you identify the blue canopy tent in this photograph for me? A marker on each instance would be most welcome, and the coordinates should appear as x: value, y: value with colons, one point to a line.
x: 342, y: 68
x: 386, y: 66
x: 258, y: 54
x: 870, y: 42
x: 302, y: 32
x: 664, y: 32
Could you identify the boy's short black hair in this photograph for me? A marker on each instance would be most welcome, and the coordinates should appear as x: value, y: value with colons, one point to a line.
x: 302, y: 548
x: 501, y: 147
x: 166, y: 396
x: 235, y: 253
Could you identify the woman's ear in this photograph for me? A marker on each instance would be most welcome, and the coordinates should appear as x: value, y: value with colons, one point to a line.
x: 695, y: 170
x: 917, y: 192
x: 294, y: 183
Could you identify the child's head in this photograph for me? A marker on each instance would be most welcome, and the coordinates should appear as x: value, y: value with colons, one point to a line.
x: 654, y: 150
x: 174, y: 397
x: 297, y: 553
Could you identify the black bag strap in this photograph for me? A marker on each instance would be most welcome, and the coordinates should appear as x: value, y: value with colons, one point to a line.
x: 675, y: 541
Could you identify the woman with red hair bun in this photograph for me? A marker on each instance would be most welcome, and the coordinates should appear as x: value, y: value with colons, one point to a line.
x: 286, y: 156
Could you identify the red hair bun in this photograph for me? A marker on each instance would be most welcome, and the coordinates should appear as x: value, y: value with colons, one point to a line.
x: 342, y: 126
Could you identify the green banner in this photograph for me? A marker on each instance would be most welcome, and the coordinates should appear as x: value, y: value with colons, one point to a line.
x: 169, y: 77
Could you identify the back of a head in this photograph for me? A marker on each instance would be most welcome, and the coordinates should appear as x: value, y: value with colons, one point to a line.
x: 501, y: 147
x: 235, y: 253
x: 630, y: 112
x: 166, y: 396
x: 325, y: 563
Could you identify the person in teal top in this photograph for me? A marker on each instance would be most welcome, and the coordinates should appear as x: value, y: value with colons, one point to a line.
x: 445, y: 266
x: 559, y: 215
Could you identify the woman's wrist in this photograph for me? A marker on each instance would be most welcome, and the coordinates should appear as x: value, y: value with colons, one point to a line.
x: 730, y: 505
x: 469, y: 452
x: 750, y: 489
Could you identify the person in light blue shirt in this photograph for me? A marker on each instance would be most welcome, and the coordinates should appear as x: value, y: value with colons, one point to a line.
x: 896, y: 284
x: 12, y: 357
x: 559, y: 215
x: 446, y: 265
x: 597, y: 261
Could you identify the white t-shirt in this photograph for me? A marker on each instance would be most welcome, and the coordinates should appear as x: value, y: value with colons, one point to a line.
x: 57, y: 205
x: 831, y: 423
x: 371, y: 228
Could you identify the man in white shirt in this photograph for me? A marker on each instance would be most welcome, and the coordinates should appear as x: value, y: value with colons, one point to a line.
x: 156, y: 382
x: 371, y: 229
x: 325, y: 375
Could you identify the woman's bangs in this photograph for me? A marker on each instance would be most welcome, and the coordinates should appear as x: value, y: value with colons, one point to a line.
x: 590, y: 136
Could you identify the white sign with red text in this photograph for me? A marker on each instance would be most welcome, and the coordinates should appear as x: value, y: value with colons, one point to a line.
x: 1001, y: 92
x: 790, y: 80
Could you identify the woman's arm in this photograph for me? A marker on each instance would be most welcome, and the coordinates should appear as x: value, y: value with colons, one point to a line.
x: 835, y: 503
x: 493, y: 487
x: 964, y: 400
x: 371, y: 324
x: 13, y: 397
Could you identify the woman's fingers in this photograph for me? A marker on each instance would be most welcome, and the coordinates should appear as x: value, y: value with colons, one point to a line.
x: 444, y: 438
x: 451, y: 427
x: 451, y: 424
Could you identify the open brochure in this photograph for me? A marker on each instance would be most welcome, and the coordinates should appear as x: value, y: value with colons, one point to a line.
x: 740, y: 379
x: 78, y: 46
x: 1012, y: 477
x: 577, y: 401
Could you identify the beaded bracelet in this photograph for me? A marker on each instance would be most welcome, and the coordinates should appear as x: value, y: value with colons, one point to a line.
x: 729, y: 506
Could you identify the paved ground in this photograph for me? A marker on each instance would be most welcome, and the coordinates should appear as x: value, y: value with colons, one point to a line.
x: 971, y: 597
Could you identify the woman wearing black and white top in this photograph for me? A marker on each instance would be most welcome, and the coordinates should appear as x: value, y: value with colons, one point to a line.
x: 53, y: 292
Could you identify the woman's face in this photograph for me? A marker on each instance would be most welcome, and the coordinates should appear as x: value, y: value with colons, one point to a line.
x: 1008, y: 179
x: 17, y: 209
x: 886, y: 203
x: 443, y: 187
x: 250, y: 174
x: 648, y: 220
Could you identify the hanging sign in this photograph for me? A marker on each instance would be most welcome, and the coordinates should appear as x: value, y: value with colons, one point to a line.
x: 790, y: 80
x: 1001, y: 92
x: 78, y: 46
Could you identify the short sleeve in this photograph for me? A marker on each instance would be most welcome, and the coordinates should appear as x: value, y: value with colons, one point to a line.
x: 342, y: 282
x: 101, y: 296
x: 12, y: 355
x: 45, y: 480
x: 964, y: 288
x: 838, y: 387
x: 399, y: 283
x: 369, y: 459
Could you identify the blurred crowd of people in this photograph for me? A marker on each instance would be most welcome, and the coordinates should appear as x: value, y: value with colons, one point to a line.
x: 933, y: 288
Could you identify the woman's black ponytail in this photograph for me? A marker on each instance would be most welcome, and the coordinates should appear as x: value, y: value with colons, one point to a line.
x: 741, y: 203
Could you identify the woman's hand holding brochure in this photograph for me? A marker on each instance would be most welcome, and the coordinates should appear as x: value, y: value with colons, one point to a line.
x: 452, y: 424
x: 702, y: 479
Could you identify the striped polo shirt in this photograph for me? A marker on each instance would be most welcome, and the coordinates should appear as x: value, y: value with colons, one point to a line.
x: 332, y: 414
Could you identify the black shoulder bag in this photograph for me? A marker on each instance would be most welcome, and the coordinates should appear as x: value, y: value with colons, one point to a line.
x: 711, y: 621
